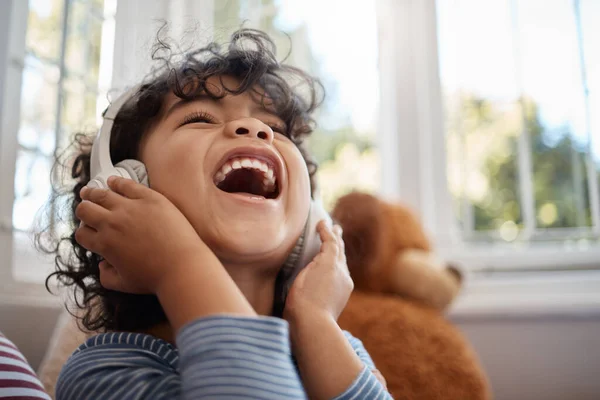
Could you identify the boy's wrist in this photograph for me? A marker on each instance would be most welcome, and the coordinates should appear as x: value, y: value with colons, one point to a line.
x: 198, y: 286
x: 308, y: 321
x: 306, y: 315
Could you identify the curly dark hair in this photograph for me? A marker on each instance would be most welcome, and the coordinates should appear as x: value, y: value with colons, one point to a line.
x: 250, y: 56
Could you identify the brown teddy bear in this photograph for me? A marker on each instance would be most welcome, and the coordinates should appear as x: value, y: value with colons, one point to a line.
x: 400, y: 290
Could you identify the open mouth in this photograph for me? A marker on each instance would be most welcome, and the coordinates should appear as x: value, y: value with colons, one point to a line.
x: 250, y: 175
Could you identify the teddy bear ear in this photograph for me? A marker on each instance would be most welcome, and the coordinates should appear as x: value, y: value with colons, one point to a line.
x: 456, y: 272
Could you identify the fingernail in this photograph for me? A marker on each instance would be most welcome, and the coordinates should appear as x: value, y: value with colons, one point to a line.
x: 83, y: 191
x: 111, y: 179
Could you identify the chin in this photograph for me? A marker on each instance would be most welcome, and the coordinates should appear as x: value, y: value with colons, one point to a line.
x: 255, y: 242
x: 257, y: 214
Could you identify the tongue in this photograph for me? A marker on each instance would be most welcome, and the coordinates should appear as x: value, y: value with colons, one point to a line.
x: 244, y: 181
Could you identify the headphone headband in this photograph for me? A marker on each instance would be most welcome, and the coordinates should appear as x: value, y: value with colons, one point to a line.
x: 100, y: 161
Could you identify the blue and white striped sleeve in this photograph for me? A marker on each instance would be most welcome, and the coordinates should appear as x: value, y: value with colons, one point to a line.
x: 219, y: 357
x: 366, y: 386
x: 238, y: 357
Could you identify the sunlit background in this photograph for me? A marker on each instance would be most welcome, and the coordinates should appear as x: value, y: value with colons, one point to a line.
x: 520, y: 80
x: 68, y: 70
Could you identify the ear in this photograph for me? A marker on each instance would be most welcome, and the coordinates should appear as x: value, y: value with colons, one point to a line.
x: 455, y: 272
x: 420, y: 276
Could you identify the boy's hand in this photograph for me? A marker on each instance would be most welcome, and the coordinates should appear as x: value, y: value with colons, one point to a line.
x: 139, y: 232
x: 325, y: 285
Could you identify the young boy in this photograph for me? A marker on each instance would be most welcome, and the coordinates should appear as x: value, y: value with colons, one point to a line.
x: 185, y: 274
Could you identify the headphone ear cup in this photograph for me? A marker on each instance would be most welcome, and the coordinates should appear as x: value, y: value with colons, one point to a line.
x: 307, y: 247
x: 312, y: 240
x: 135, y: 170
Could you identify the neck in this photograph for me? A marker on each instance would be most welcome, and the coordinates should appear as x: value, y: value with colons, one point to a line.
x: 258, y: 288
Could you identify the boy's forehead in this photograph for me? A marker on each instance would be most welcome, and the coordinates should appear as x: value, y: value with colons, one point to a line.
x: 221, y: 86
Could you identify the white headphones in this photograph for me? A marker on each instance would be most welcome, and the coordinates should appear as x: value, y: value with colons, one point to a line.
x: 101, y: 168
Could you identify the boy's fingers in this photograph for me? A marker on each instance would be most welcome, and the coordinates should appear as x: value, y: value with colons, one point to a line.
x: 91, y: 214
x: 325, y: 231
x: 337, y: 230
x: 86, y: 237
x: 329, y: 242
x: 127, y: 187
x: 104, y: 197
x: 340, y: 241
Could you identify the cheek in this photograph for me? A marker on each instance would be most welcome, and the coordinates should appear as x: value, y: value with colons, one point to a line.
x: 175, y: 165
x: 298, y: 171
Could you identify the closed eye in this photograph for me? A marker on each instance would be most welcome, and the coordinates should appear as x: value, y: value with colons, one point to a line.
x: 276, y: 126
x: 278, y: 129
x: 198, y: 117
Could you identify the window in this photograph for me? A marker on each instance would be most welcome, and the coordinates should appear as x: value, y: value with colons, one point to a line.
x: 521, y: 81
x: 65, y: 75
x: 488, y: 127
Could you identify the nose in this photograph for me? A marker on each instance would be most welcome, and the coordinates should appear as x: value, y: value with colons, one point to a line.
x: 250, y: 127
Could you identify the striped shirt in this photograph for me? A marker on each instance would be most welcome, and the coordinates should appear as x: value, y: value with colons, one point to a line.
x: 17, y: 379
x: 217, y: 357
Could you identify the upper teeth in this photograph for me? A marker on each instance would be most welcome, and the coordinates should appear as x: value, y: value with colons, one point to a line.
x: 265, y: 169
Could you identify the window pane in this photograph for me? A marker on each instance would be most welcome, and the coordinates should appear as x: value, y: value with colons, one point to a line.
x: 343, y: 142
x: 519, y: 137
x: 83, y: 41
x: 484, y: 118
x: 32, y: 187
x: 73, y: 107
x: 549, y: 53
x: 44, y: 28
x: 39, y: 92
x: 50, y: 100
x: 76, y: 46
x: 89, y: 121
x: 98, y: 6
x: 483, y: 171
x: 34, y: 136
x: 589, y: 12
x: 94, y: 49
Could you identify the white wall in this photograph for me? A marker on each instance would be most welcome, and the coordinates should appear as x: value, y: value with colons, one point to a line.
x: 527, y: 358
x: 546, y: 358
